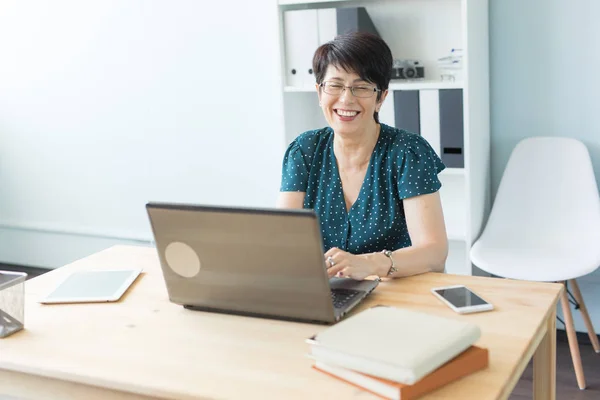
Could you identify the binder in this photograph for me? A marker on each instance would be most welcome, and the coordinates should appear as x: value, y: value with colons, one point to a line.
x: 305, y: 30
x: 327, y: 23
x: 429, y: 118
x: 452, y: 127
x: 354, y: 19
x: 301, y: 39
x: 407, y: 110
x: 437, y: 115
x: 337, y: 21
x: 387, y: 111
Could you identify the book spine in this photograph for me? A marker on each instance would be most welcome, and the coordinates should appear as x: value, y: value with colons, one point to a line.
x: 468, y: 363
x: 390, y: 372
x: 357, y: 385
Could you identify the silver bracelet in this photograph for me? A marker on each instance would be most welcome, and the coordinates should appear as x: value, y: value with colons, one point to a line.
x: 393, y: 268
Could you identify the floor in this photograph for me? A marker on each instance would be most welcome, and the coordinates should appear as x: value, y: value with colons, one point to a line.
x: 566, y: 384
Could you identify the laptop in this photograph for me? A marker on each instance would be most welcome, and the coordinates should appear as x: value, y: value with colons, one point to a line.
x: 247, y: 261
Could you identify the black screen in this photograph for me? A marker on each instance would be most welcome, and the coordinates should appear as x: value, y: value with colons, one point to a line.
x: 461, y: 297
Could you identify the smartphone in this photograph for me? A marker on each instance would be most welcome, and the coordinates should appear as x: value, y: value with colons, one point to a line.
x: 461, y: 299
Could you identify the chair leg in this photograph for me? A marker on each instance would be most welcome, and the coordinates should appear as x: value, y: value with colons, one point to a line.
x: 585, y: 315
x: 572, y: 337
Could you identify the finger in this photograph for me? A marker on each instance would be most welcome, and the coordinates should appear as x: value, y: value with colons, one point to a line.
x: 334, y: 270
x: 331, y: 252
x: 329, y: 262
x: 350, y: 272
x: 333, y: 258
x: 345, y: 273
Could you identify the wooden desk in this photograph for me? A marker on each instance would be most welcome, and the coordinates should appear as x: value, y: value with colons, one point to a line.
x: 144, y: 346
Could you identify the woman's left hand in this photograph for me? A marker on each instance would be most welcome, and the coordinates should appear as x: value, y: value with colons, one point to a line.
x: 343, y: 264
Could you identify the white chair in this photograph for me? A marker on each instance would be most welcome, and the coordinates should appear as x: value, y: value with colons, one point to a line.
x: 545, y: 224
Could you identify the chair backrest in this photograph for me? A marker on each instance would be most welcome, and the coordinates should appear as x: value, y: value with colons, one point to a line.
x: 548, y: 197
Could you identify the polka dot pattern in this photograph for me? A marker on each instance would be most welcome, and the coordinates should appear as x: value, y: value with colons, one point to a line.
x: 402, y: 165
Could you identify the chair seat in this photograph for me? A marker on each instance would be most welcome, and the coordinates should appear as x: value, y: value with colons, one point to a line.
x: 533, y: 264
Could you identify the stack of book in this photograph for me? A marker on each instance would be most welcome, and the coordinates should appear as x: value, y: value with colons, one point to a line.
x: 397, y: 353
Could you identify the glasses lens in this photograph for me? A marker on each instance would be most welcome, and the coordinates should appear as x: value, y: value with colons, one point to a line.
x: 333, y: 88
x: 336, y: 89
x: 363, y: 91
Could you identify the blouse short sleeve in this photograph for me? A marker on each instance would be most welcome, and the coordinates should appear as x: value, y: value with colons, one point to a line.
x: 296, y: 164
x: 419, y: 168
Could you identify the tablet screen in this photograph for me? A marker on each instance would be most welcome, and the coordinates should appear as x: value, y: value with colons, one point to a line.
x: 93, y: 286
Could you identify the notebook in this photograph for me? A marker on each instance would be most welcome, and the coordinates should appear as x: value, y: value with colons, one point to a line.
x: 393, y: 343
x: 471, y: 360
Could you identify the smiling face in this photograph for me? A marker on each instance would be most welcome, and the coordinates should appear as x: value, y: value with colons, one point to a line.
x: 347, y: 114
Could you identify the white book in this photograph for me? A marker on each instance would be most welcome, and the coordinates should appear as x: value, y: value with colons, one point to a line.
x: 393, y: 343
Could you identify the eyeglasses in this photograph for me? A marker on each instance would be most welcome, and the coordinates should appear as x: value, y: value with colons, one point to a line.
x: 336, y: 89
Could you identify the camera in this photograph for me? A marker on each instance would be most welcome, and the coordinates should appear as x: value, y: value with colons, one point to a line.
x: 407, y: 69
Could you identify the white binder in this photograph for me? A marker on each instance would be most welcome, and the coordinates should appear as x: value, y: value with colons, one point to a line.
x: 301, y: 39
x: 327, y: 23
x: 429, y: 118
x: 386, y: 113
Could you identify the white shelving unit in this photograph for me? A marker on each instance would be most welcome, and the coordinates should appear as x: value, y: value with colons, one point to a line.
x: 424, y: 30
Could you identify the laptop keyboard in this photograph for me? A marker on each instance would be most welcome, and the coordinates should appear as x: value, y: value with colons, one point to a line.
x: 342, y: 297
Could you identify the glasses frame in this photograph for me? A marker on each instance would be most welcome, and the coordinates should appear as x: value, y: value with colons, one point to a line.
x: 322, y: 86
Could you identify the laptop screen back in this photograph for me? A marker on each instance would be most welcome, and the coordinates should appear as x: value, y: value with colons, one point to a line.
x: 254, y: 261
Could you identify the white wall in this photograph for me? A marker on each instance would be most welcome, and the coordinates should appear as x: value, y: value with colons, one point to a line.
x: 105, y: 105
x: 545, y: 81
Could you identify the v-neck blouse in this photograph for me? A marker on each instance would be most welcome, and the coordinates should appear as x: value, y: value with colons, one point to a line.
x: 402, y: 165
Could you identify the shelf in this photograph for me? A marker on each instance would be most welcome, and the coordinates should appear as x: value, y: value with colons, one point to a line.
x: 421, y: 30
x: 302, y: 2
x: 456, y: 236
x: 453, y: 171
x: 394, y: 85
x: 425, y: 84
x: 304, y: 89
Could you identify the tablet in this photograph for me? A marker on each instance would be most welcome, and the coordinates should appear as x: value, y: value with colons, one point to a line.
x: 92, y: 286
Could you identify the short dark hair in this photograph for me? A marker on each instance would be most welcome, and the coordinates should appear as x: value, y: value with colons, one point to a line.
x: 364, y: 53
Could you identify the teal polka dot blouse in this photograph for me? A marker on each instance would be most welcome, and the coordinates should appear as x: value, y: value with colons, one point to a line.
x: 402, y: 165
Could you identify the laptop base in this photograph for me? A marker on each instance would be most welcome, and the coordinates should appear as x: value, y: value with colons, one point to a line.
x: 253, y: 314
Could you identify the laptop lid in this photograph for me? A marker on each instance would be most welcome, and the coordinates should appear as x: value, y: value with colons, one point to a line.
x: 264, y: 262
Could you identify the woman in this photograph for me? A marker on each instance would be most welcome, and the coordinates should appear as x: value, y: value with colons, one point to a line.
x: 374, y: 187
